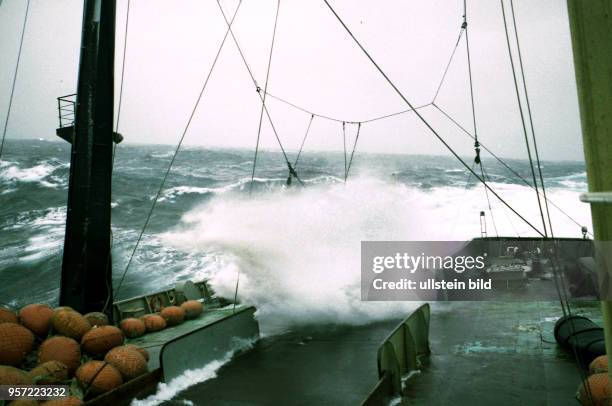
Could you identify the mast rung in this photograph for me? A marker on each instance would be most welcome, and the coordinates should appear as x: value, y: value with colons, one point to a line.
x: 596, y: 197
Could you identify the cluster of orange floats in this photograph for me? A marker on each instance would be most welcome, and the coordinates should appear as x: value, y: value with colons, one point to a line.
x: 595, y: 390
x: 42, y: 345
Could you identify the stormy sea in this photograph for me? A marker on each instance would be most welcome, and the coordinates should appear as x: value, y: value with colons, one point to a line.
x: 284, y: 240
x: 296, y: 248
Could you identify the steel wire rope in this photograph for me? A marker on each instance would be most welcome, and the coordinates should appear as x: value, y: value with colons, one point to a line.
x: 178, y: 146
x: 10, y: 104
x: 424, y: 121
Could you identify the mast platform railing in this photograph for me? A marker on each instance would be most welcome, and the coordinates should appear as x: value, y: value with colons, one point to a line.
x: 66, y: 107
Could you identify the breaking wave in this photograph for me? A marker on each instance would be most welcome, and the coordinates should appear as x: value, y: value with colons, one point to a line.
x: 42, y: 173
x: 298, y: 250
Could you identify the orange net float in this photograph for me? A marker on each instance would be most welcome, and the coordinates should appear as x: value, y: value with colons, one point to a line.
x: 7, y: 316
x: 14, y: 376
x: 99, y: 340
x: 599, y: 388
x: 153, y: 322
x: 50, y: 372
x: 192, y: 308
x: 67, y: 401
x: 128, y: 361
x: 97, y: 319
x: 141, y: 350
x: 70, y: 323
x: 598, y: 365
x: 132, y: 327
x: 63, y: 349
x: 16, y: 342
x: 173, y: 315
x: 98, y: 377
x: 37, y: 317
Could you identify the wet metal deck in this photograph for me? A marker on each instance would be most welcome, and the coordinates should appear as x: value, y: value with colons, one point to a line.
x: 486, y: 353
x: 483, y: 353
x: 326, y: 365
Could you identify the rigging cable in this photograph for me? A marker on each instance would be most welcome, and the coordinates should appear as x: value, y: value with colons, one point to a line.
x: 344, y: 147
x: 467, y: 185
x: 339, y: 120
x: 297, y: 158
x: 488, y: 177
x: 178, y: 146
x: 561, y: 290
x: 259, y: 91
x: 10, y: 104
x: 533, y: 134
x: 477, y: 159
x: 518, y: 98
x: 125, y: 37
x: 348, y: 169
x: 310, y: 112
x: 263, y: 101
x: 501, y: 161
x: 448, y: 64
x: 482, y: 172
x: 424, y: 121
x: 469, y: 65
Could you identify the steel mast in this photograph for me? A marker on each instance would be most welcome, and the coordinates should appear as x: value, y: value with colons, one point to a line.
x: 591, y: 29
x: 86, y: 282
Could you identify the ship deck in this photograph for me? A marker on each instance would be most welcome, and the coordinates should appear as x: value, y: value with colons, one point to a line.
x: 498, y: 353
x: 483, y: 353
x: 323, y: 365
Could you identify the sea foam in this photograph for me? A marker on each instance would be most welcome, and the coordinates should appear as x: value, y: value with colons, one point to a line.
x: 297, y: 250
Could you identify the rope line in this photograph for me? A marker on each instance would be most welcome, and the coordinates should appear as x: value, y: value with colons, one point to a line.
x: 477, y: 159
x: 501, y: 161
x: 339, y: 120
x: 469, y: 66
x: 424, y: 121
x: 561, y: 286
x: 125, y: 37
x: 518, y: 98
x: 353, y: 151
x: 259, y: 90
x: 178, y: 146
x: 448, y: 64
x: 297, y: 158
x: 530, y: 115
x: 482, y: 172
x: 10, y: 105
x: 467, y: 185
x: 488, y: 177
x: 263, y: 101
x: 344, y: 147
x: 112, y: 239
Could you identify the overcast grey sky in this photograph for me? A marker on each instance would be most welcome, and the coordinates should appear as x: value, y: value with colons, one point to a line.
x: 171, y: 46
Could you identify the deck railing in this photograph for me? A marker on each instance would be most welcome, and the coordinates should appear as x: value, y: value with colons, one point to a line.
x: 400, y: 354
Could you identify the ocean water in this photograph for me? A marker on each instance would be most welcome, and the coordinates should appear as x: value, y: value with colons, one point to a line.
x: 297, y: 249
